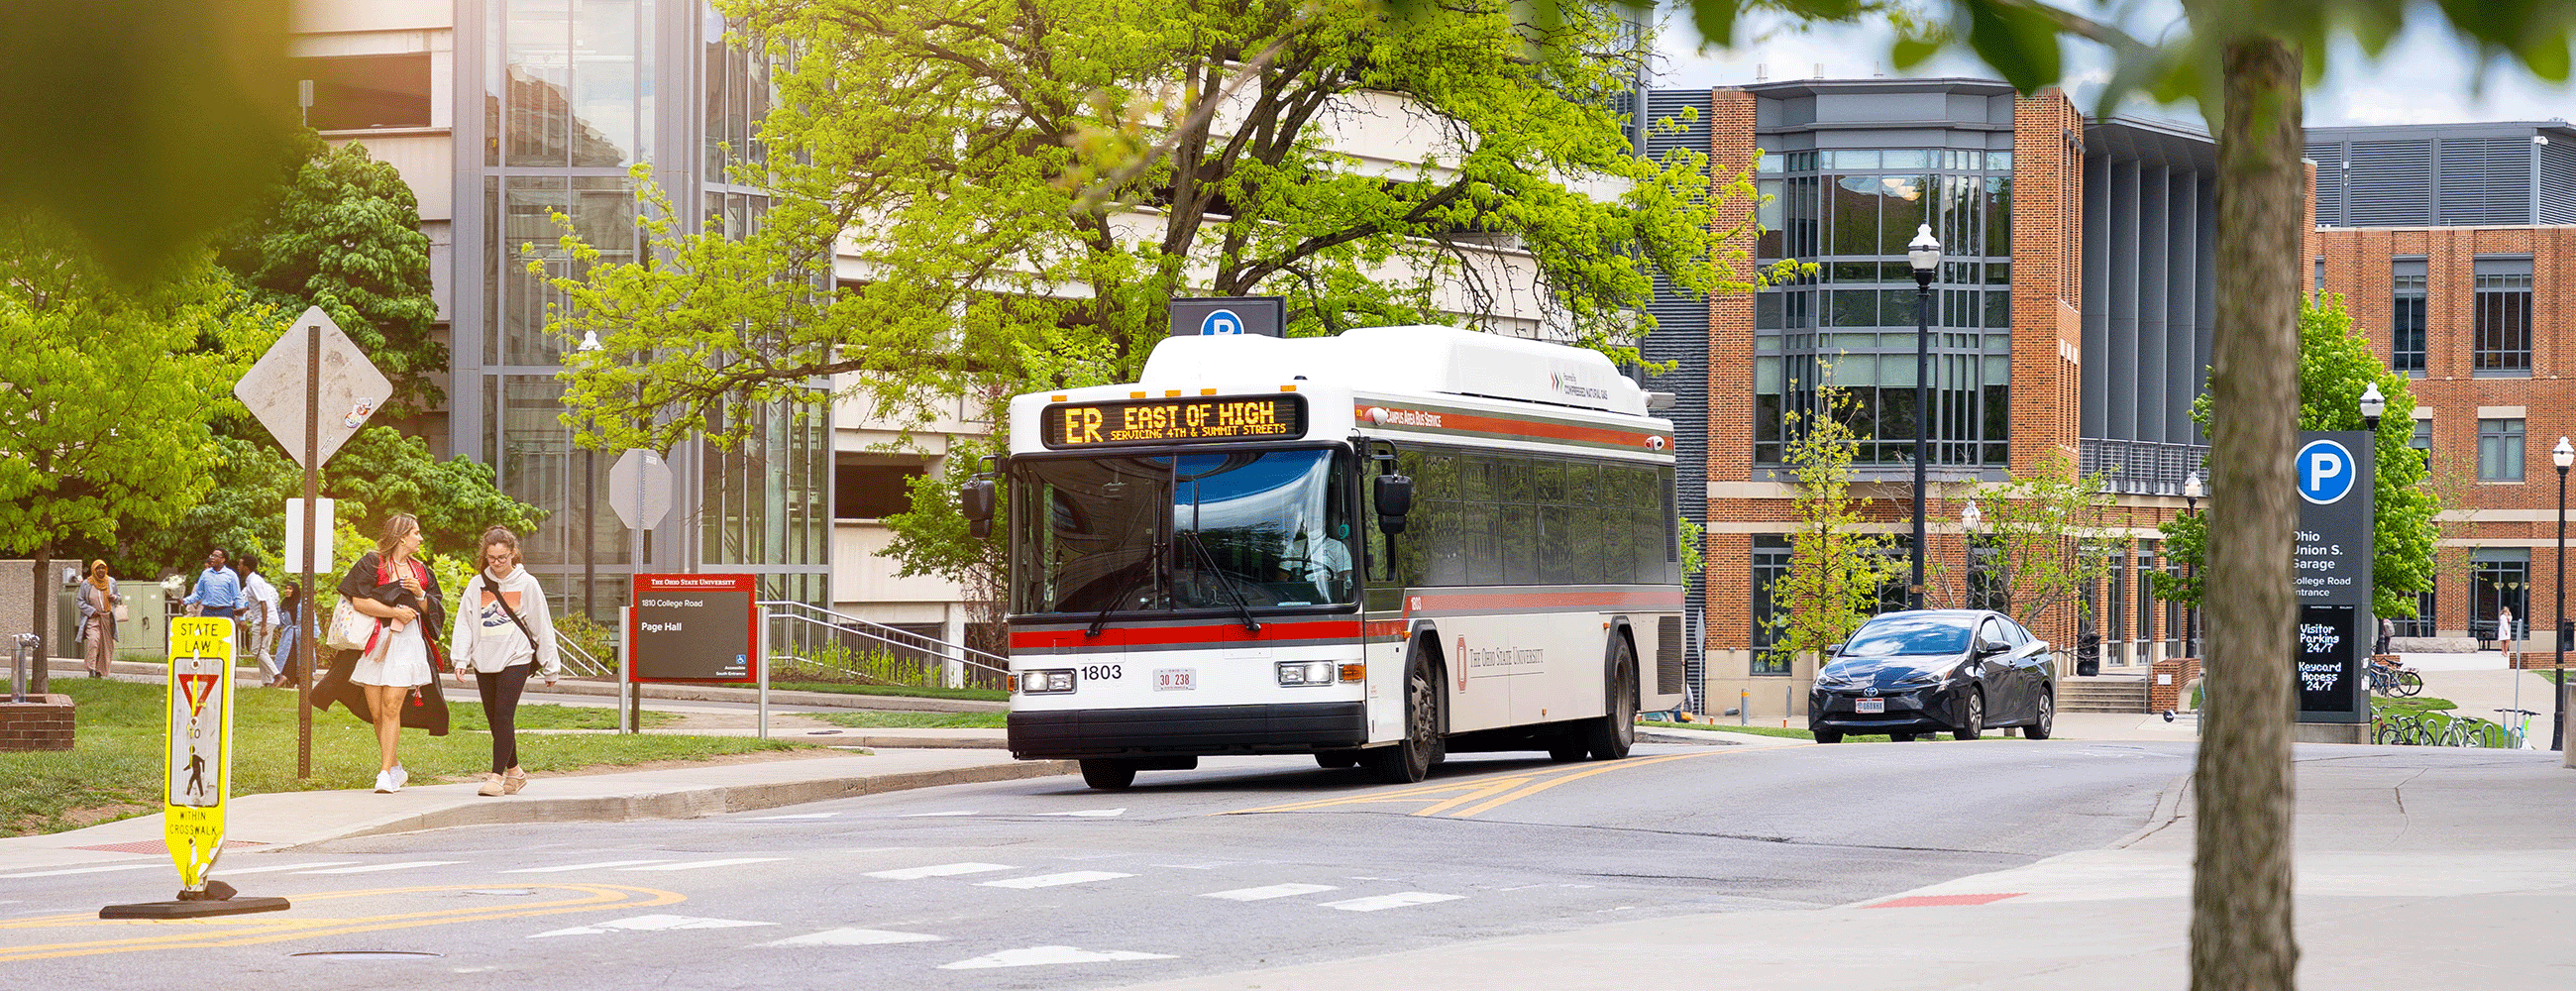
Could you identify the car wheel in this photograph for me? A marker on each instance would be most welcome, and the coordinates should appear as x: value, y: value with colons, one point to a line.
x: 1829, y: 736
x: 1337, y: 759
x: 1615, y: 733
x: 1411, y: 760
x: 1107, y: 774
x: 1972, y: 716
x: 2046, y: 722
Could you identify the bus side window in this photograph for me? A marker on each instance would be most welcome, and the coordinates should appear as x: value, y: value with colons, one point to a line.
x: 1586, y: 550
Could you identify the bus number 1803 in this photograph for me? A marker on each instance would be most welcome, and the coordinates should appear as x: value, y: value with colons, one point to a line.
x: 1101, y: 672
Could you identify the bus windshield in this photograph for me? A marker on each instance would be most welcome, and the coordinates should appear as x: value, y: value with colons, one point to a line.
x: 1214, y: 531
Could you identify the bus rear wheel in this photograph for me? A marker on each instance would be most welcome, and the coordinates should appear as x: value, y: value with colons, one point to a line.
x: 1411, y: 760
x: 1107, y: 774
x: 1611, y: 737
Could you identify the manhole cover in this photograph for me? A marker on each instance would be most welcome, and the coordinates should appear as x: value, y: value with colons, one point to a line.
x: 367, y: 955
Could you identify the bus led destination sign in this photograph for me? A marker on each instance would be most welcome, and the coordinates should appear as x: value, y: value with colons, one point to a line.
x: 1168, y: 421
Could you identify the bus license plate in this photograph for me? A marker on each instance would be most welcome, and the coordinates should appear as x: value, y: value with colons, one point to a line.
x: 1176, y: 679
x: 1869, y: 705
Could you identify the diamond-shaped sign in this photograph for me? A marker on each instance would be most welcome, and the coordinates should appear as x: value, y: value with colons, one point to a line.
x: 350, y: 387
x: 639, y: 489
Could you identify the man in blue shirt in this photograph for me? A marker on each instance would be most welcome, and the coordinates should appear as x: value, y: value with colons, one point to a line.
x: 219, y: 592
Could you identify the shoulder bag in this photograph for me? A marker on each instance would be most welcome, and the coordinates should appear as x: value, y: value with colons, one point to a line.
x: 350, y: 629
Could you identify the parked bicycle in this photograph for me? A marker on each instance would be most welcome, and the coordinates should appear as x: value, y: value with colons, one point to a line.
x: 2511, y: 729
x: 2390, y: 679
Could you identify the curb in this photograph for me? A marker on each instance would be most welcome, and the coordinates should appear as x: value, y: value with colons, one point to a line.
x: 902, y: 742
x: 2168, y: 809
x: 137, y: 670
x: 688, y: 803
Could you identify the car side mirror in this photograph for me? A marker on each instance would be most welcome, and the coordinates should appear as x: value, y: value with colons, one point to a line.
x: 1987, y: 649
x: 1393, y: 499
x: 1833, y: 650
x: 975, y: 500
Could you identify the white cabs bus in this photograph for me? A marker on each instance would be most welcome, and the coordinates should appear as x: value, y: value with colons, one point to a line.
x: 1374, y: 548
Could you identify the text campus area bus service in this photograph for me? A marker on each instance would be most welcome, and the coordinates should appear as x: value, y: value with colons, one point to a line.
x: 1373, y: 548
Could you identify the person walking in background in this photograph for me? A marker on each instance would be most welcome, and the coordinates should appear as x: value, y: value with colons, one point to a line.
x: 391, y: 584
x: 100, y: 608
x: 2504, y: 633
x: 258, y: 617
x: 505, y: 634
x: 218, y: 593
x: 291, y: 631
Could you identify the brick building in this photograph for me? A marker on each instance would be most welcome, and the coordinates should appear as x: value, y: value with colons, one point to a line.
x: 2452, y: 246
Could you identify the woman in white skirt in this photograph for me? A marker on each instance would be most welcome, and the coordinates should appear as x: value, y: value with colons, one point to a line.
x: 392, y: 585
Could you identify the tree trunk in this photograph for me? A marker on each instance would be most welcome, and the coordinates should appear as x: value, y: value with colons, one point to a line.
x: 2241, y: 938
x: 37, y: 682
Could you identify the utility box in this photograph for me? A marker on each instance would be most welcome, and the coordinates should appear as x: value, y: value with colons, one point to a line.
x: 144, y: 635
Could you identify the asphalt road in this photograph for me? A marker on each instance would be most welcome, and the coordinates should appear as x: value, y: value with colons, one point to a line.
x: 1246, y: 862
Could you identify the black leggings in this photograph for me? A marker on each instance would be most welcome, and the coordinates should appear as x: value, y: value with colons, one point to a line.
x: 501, y: 708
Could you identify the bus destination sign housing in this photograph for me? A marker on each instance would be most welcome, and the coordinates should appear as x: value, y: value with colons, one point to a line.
x: 1197, y: 419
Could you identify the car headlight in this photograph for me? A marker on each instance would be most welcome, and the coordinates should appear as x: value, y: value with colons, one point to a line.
x: 1299, y: 674
x: 1046, y: 682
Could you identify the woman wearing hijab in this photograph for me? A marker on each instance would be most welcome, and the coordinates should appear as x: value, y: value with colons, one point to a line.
x: 98, y: 602
x: 506, y: 634
x: 391, y: 584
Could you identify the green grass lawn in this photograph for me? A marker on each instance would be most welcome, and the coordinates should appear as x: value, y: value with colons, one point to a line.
x: 847, y: 688
x: 114, y: 769
x: 915, y: 720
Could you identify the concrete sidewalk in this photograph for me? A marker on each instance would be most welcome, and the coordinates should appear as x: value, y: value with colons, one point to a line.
x: 2416, y: 867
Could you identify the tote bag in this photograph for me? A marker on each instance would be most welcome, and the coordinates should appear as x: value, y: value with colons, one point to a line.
x: 350, y: 629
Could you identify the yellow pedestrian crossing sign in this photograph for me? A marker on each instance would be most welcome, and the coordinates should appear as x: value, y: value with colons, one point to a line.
x: 197, y: 771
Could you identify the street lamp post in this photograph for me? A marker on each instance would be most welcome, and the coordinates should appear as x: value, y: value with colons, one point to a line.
x: 589, y: 507
x: 2372, y: 404
x: 2562, y: 456
x: 1924, y: 253
x: 2191, y: 493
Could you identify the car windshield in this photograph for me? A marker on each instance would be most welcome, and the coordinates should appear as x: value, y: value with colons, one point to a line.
x: 1240, y: 529
x: 1893, y: 636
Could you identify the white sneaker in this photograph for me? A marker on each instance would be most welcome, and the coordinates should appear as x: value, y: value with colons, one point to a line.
x: 400, y: 776
x: 384, y: 782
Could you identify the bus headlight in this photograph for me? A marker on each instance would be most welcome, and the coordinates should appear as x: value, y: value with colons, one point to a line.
x: 1295, y: 674
x: 1046, y: 682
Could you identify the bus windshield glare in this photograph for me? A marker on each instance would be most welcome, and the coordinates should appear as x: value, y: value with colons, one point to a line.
x: 1221, y: 531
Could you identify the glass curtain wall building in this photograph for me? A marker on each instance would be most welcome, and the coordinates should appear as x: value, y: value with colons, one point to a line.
x: 572, y: 95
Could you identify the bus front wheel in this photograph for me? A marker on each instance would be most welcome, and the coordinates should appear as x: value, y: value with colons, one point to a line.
x: 1107, y: 774
x: 1611, y: 737
x: 1411, y: 760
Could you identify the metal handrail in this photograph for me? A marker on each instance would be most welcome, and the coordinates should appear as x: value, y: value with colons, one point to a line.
x: 843, y: 623
x: 591, y: 666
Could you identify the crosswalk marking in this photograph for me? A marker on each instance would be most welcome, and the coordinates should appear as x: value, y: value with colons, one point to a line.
x: 651, y: 923
x: 92, y: 870
x: 266, y: 868
x: 1041, y: 955
x: 1397, y: 900
x: 1089, y: 813
x: 1273, y: 891
x: 855, y: 937
x: 373, y: 868
x: 602, y: 865
x: 1051, y: 880
x: 926, y: 815
x: 695, y: 864
x: 940, y: 870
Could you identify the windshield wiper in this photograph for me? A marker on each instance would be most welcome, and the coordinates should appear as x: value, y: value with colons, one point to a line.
x: 1250, y: 625
x: 1101, y: 621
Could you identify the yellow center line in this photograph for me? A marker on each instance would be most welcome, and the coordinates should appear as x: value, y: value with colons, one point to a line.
x: 224, y: 931
x: 1605, y: 768
x: 1491, y: 788
x: 1364, y: 798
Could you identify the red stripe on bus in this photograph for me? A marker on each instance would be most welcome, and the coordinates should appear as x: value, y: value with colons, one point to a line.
x: 1228, y: 632
x: 1451, y: 420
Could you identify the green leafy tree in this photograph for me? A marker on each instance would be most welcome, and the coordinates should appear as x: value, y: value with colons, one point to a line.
x: 341, y: 231
x: 104, y: 397
x: 1836, y: 565
x: 2335, y: 366
x: 2037, y: 543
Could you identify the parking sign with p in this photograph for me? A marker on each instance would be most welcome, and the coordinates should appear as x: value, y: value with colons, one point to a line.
x: 2326, y: 472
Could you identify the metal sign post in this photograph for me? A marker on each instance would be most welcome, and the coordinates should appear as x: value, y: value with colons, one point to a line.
x: 325, y: 370
x: 196, y: 775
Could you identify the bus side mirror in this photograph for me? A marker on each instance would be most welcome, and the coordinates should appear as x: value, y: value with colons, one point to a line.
x: 975, y: 500
x: 1394, y: 497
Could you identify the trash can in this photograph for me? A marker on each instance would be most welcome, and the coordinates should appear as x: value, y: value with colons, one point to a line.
x: 2088, y: 655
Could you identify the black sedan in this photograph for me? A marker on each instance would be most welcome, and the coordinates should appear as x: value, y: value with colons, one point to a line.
x: 1930, y: 671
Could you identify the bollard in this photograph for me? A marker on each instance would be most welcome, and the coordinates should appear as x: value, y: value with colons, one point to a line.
x: 28, y: 643
x: 1744, y: 707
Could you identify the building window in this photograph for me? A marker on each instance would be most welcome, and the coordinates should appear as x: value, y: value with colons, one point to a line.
x: 872, y: 492
x: 2421, y: 624
x: 2422, y: 442
x: 2406, y: 318
x: 2499, y: 450
x: 2146, y: 600
x: 2499, y: 578
x: 2502, y: 336
x: 367, y: 91
x: 1770, y: 564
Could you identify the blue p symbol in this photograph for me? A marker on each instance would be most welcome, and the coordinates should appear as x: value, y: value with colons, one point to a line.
x: 1221, y: 322
x: 2325, y: 472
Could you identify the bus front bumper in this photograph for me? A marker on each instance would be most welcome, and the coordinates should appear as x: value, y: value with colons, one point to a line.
x: 1295, y: 728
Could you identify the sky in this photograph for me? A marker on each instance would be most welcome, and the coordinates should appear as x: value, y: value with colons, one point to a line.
x: 2423, y: 78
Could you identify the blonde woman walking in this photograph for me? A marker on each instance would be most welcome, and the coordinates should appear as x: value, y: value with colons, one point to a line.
x: 391, y: 584
x: 505, y: 634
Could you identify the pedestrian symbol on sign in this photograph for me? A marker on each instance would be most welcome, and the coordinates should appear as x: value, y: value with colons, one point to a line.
x: 2325, y: 471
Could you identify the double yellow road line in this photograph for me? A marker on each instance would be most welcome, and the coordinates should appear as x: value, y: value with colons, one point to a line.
x: 1471, y: 798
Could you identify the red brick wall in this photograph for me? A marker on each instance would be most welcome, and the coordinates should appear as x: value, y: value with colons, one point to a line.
x: 33, y: 725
